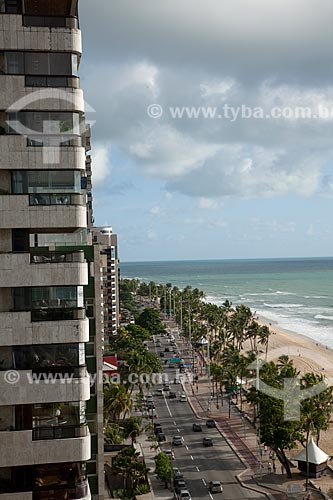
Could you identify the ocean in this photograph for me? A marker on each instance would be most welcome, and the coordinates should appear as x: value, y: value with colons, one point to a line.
x: 294, y: 294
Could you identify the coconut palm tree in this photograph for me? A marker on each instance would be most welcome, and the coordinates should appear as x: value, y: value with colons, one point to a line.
x: 117, y: 402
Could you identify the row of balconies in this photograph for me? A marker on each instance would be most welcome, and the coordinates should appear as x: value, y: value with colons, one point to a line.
x: 15, y: 36
x: 15, y: 151
x: 26, y: 270
x: 22, y: 449
x: 42, y: 212
x: 14, y: 88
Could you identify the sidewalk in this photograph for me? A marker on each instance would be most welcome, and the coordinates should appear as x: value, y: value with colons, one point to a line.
x: 158, y: 488
x: 241, y: 437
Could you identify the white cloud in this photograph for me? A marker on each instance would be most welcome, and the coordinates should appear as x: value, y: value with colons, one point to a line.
x: 101, y: 165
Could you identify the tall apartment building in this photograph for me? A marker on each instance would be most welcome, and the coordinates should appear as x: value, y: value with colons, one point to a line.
x: 46, y: 447
x: 108, y: 243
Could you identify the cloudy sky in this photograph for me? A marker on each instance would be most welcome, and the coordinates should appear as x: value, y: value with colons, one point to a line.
x: 202, y: 188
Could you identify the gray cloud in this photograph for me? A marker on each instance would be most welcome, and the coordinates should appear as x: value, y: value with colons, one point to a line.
x: 191, y: 53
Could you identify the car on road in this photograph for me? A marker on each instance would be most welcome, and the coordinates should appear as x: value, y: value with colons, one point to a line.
x: 210, y: 422
x: 170, y: 454
x: 172, y: 395
x: 167, y: 349
x: 166, y: 388
x: 162, y: 354
x: 196, y: 427
x: 177, y: 441
x: 159, y: 392
x: 180, y: 484
x: 160, y: 436
x: 184, y: 495
x: 158, y: 429
x: 183, y: 398
x: 158, y: 343
x: 176, y: 474
x: 215, y: 487
x: 207, y: 441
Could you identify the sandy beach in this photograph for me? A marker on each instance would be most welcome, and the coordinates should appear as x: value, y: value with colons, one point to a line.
x: 307, y: 354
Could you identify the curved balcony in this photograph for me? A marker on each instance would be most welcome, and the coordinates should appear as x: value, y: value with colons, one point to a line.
x: 44, y: 326
x: 17, y: 212
x: 79, y: 492
x: 14, y: 88
x: 21, y: 449
x: 32, y: 389
x: 14, y: 151
x: 23, y: 269
x: 19, y: 37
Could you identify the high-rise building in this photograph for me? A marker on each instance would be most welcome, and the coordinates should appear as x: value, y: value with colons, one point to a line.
x: 51, y: 420
x: 108, y: 244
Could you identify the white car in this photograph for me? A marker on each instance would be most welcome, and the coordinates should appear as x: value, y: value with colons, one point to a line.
x: 184, y: 495
x: 183, y: 398
x: 215, y: 487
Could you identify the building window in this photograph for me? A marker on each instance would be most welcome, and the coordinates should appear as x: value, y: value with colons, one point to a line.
x: 46, y: 181
x: 49, y: 123
x: 40, y: 63
x: 11, y: 6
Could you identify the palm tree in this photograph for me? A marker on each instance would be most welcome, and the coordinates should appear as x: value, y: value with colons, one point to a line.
x: 133, y: 428
x: 117, y: 402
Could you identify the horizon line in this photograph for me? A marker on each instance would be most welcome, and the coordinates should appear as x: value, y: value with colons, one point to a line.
x: 225, y: 259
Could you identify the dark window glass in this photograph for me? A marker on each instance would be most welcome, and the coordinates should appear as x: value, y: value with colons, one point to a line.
x: 37, y: 63
x: 36, y: 81
x: 13, y: 6
x: 49, y: 7
x: 15, y: 63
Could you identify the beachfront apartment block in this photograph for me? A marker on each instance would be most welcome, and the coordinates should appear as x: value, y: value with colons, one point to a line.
x: 51, y: 301
x: 108, y: 243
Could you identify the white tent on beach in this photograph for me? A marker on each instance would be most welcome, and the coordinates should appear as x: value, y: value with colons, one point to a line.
x: 317, y: 459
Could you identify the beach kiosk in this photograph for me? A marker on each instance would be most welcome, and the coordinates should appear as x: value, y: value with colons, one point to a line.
x: 317, y: 460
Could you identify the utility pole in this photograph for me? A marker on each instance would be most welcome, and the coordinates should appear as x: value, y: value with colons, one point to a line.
x: 170, y: 292
x: 164, y: 299
x: 181, y: 314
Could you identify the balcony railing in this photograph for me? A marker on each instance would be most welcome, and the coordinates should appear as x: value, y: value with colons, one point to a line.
x: 52, y: 81
x: 56, y: 199
x: 58, y: 314
x: 48, y: 257
x: 61, y: 493
x: 59, y: 432
x: 51, y: 22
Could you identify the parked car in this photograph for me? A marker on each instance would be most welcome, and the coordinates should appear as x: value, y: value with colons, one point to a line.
x: 159, y: 392
x: 160, y: 436
x: 172, y: 395
x: 170, y: 454
x: 177, y: 441
x: 166, y: 388
x: 207, y: 441
x: 184, y: 495
x: 162, y: 354
x: 167, y: 349
x: 215, y: 487
x: 183, y: 398
x: 210, y: 422
x: 196, y: 427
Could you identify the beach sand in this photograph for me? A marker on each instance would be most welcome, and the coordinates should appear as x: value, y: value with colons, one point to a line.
x: 307, y: 354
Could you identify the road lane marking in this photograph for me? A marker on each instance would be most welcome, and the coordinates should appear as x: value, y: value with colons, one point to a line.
x: 167, y: 406
x: 174, y: 422
x: 204, y: 482
x: 211, y: 496
x: 186, y: 447
x: 191, y: 457
x: 197, y: 468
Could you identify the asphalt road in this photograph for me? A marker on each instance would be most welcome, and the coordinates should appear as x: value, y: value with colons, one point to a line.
x: 198, y: 464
